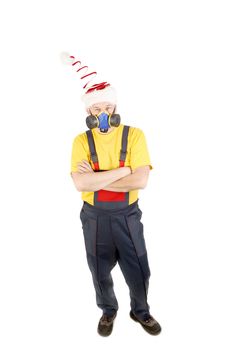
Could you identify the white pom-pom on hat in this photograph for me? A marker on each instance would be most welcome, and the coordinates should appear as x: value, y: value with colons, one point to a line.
x: 66, y: 58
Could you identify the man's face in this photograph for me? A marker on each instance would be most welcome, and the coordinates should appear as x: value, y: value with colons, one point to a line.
x: 98, y: 108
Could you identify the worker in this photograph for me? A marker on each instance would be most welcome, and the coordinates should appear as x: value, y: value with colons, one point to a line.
x: 110, y: 163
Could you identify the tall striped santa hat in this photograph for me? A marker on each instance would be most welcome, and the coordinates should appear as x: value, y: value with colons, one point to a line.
x: 96, y: 93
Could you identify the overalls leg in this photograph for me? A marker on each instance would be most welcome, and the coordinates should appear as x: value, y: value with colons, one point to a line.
x: 101, y: 258
x: 132, y: 259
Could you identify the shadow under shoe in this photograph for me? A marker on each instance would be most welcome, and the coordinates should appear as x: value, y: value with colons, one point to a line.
x: 105, y: 325
x: 150, y: 325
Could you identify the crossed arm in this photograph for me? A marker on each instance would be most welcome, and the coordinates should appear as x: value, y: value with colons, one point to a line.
x: 118, y: 180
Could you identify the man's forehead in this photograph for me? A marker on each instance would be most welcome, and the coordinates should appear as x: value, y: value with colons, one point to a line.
x: 103, y: 104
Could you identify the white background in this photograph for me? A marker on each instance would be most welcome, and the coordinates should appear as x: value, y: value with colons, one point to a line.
x: 171, y: 63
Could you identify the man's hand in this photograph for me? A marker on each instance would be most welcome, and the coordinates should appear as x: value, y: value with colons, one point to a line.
x: 87, y: 180
x: 84, y: 167
x: 135, y: 181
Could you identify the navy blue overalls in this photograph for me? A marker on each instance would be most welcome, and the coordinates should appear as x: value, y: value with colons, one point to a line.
x: 113, y: 232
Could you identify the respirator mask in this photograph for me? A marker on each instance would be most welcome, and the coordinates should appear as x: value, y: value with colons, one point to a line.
x: 103, y: 121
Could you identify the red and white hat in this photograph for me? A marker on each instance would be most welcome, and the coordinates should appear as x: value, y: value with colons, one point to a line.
x: 102, y: 92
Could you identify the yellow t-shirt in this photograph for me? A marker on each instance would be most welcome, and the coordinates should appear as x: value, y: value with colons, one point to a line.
x: 108, y: 148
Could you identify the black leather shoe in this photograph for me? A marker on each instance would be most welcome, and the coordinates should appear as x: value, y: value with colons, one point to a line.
x: 149, y: 323
x: 105, y: 325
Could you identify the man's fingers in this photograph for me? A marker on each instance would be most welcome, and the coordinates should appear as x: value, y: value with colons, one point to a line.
x: 85, y: 162
x: 84, y: 166
x: 84, y: 170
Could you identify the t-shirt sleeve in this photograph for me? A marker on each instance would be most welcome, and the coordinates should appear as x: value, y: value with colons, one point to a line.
x: 139, y: 151
x: 78, y: 153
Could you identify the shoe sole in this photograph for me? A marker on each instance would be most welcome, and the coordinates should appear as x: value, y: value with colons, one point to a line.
x: 144, y: 327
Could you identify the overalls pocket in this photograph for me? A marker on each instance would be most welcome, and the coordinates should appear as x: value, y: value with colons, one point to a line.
x: 135, y: 228
x: 89, y: 226
x: 136, y: 231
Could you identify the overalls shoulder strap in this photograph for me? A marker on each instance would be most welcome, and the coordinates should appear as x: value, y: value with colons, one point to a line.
x: 109, y: 199
x: 124, y: 143
x: 123, y: 153
x: 91, y: 144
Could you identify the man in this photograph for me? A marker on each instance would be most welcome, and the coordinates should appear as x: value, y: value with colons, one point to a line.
x: 110, y: 163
